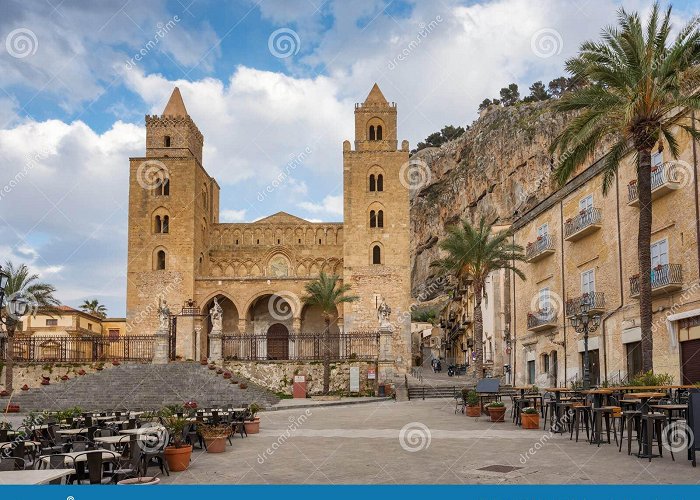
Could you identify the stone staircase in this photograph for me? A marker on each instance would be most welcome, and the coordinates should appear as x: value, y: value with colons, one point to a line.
x: 142, y: 386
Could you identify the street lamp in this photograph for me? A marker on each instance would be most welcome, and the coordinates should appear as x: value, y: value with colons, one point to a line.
x: 584, y: 322
x: 4, y: 278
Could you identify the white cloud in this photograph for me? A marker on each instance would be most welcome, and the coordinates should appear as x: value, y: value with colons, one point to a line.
x: 331, y: 205
x: 232, y: 215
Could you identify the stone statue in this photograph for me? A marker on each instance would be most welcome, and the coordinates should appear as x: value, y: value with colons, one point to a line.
x: 164, y: 315
x: 217, y: 315
x: 383, y: 313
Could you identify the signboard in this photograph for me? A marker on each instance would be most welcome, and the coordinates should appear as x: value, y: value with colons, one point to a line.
x: 299, y: 387
x: 371, y: 374
x: 354, y: 379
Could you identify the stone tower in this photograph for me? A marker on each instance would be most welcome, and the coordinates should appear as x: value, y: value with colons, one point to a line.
x: 172, y: 204
x: 376, y: 223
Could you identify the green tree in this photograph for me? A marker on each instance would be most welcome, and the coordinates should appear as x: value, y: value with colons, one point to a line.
x: 472, y: 253
x: 94, y: 307
x: 558, y: 86
x: 538, y: 92
x: 510, y: 94
x: 639, y: 90
x: 485, y: 104
x: 437, y: 139
x: 326, y: 293
x: 39, y: 295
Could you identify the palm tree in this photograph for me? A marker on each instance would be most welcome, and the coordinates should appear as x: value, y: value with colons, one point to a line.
x: 94, y: 307
x: 474, y: 252
x: 326, y: 293
x: 638, y: 90
x: 39, y: 295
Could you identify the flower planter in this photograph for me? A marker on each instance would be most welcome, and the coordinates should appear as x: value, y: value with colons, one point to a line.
x: 219, y: 371
x: 64, y: 377
x: 25, y: 387
x: 252, y: 426
x: 473, y: 411
x: 497, y: 413
x: 227, y: 375
x: 204, y: 362
x: 178, y: 458
x: 243, y: 385
x: 45, y: 382
x: 141, y: 481
x: 12, y: 408
x: 216, y: 445
x: 212, y: 367
x: 191, y: 405
x: 80, y: 372
x: 4, y: 393
x: 530, y: 420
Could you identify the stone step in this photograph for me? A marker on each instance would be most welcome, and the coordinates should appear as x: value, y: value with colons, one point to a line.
x: 142, y: 386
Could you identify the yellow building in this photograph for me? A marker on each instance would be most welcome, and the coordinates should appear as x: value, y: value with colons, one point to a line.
x: 179, y: 252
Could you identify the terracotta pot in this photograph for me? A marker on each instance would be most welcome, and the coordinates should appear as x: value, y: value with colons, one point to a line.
x: 212, y: 367
x: 243, y: 385
x: 4, y: 393
x: 216, y: 445
x: 178, y: 458
x: 219, y: 371
x: 204, y: 362
x: 13, y: 408
x: 45, y: 382
x: 141, y: 481
x: 252, y: 426
x: 530, y: 420
x: 64, y: 377
x: 25, y: 387
x: 80, y: 372
x: 473, y: 411
x: 227, y: 375
x: 497, y: 414
x: 99, y: 368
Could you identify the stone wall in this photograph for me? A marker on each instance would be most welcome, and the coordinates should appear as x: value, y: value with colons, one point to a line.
x: 278, y: 376
x: 31, y: 374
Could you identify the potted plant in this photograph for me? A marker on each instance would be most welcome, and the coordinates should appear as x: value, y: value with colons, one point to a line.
x: 12, y: 408
x: 471, y: 403
x: 190, y: 405
x: 214, y: 436
x: 80, y: 372
x: 530, y: 418
x: 45, y: 380
x: 178, y: 453
x: 219, y: 371
x: 242, y: 385
x: 497, y: 411
x: 227, y: 375
x: 252, y: 422
x: 25, y: 387
x: 4, y: 393
x: 203, y: 362
x: 64, y: 377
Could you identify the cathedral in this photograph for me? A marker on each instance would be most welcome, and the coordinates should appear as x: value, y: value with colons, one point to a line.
x: 180, y: 254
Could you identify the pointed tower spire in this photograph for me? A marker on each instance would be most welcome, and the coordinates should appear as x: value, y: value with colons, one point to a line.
x: 375, y: 96
x: 175, y: 106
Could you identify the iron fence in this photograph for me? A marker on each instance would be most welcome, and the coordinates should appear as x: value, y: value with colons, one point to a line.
x: 66, y: 349
x: 585, y: 218
x: 661, y: 275
x: 301, y: 347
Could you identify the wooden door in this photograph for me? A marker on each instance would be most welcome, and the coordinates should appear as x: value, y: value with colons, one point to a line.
x: 278, y: 342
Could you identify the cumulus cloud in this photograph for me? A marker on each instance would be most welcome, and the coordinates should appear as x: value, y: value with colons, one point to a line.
x: 332, y: 205
x: 232, y: 215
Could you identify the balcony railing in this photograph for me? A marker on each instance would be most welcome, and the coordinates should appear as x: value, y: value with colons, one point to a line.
x: 596, y: 301
x: 586, y: 222
x: 664, y: 278
x: 541, y: 320
x: 664, y: 179
x: 540, y: 248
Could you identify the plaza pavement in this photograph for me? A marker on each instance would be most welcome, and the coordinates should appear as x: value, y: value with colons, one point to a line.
x: 365, y: 444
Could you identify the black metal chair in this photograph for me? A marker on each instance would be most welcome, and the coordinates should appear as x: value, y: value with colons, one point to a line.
x: 12, y: 463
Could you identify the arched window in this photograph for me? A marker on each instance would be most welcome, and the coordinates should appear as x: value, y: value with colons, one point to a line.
x: 380, y: 218
x: 163, y: 188
x: 160, y: 260
x: 376, y: 255
x: 372, y: 218
x: 379, y: 132
x: 371, y: 133
x: 158, y: 226
x: 372, y: 183
x: 380, y: 182
x: 166, y: 223
x: 166, y: 141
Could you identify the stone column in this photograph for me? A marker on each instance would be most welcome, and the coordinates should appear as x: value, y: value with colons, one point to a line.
x: 386, y: 334
x: 197, y: 342
x: 160, y: 347
x: 242, y: 326
x: 215, y: 347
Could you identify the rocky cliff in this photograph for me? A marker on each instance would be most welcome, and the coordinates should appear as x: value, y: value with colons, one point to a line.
x: 499, y: 168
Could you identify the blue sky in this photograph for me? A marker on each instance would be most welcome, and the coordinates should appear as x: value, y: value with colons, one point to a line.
x: 264, y: 81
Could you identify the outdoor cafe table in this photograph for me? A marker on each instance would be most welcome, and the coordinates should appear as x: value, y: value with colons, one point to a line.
x: 72, y: 432
x: 644, y: 398
x: 33, y: 476
x: 81, y: 456
x: 28, y: 444
x: 143, y: 430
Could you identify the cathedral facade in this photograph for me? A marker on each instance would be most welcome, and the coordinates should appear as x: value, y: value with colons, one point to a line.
x: 179, y: 253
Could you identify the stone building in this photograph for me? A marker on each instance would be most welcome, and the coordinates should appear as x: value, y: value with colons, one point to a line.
x: 179, y: 252
x: 577, y: 242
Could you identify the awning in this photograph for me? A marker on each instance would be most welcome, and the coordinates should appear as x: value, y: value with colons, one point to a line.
x: 673, y: 327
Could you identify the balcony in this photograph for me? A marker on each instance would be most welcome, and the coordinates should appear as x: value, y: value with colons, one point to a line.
x: 596, y: 300
x: 586, y: 222
x: 663, y: 181
x: 541, y: 320
x: 542, y: 247
x: 664, y: 278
